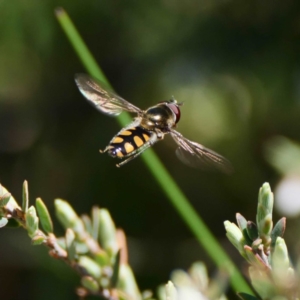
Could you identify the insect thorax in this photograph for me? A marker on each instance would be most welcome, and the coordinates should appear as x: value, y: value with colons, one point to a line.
x: 158, y: 117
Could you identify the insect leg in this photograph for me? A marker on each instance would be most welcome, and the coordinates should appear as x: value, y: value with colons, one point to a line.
x: 106, y: 148
x: 152, y: 140
x: 130, y: 158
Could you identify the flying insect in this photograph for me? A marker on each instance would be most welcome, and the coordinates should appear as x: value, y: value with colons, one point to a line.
x: 148, y: 127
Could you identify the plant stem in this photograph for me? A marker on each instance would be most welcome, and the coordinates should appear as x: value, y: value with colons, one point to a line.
x: 164, y: 179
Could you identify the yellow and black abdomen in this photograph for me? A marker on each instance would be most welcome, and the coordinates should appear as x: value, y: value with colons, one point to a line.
x: 128, y: 142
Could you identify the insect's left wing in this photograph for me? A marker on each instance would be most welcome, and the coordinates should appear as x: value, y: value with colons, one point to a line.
x: 106, y: 101
x: 197, y: 156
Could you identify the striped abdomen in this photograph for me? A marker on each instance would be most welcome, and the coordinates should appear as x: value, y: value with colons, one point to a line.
x: 128, y: 141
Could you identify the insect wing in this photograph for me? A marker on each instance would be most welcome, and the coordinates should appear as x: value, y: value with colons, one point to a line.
x: 106, y: 101
x: 197, y: 156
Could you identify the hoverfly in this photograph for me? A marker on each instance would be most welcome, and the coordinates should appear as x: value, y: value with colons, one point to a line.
x: 149, y: 127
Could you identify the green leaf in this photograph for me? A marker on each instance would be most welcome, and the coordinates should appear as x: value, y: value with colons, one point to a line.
x: 102, y: 258
x: 267, y: 225
x: 70, y: 244
x: 11, y: 204
x: 262, y: 283
x: 198, y: 273
x: 265, y: 197
x: 281, y: 264
x: 44, y: 215
x: 242, y: 223
x: 95, y: 222
x: 255, y: 259
x: 235, y: 236
x: 107, y: 232
x: 25, y: 198
x: 90, y: 283
x: 278, y: 231
x: 3, y: 222
x: 87, y: 223
x: 38, y: 240
x: 32, y: 221
x: 280, y: 257
x: 245, y: 296
x: 127, y: 282
x: 4, y: 199
x: 171, y: 292
x: 264, y: 214
x: 90, y: 266
x: 252, y: 230
x: 116, y: 268
x: 68, y: 217
x: 81, y: 247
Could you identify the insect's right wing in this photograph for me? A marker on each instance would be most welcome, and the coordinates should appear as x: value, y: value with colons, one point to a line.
x: 106, y: 101
x: 197, y: 156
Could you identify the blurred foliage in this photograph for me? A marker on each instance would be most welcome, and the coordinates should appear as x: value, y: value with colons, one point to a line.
x: 96, y: 250
x: 236, y: 67
x: 272, y: 273
x: 92, y: 246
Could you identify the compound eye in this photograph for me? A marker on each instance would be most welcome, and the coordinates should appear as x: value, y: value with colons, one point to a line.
x: 175, y: 109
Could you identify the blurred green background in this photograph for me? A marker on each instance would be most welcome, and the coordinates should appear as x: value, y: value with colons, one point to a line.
x: 234, y: 64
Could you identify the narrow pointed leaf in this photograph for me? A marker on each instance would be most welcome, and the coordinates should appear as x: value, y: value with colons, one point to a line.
x: 280, y: 262
x: 245, y: 296
x: 44, y: 215
x: 199, y: 275
x: 68, y: 217
x: 90, y: 283
x: 25, y: 202
x: 242, y: 223
x: 95, y: 222
x: 128, y: 283
x: 90, y: 266
x: 235, y: 236
x: 255, y: 259
x: 252, y: 230
x: 70, y: 244
x: 278, y: 231
x: 87, y: 224
x: 262, y: 283
x: 116, y: 268
x: 264, y: 211
x: 38, y: 240
x: 107, y: 232
x: 32, y: 221
x: 171, y: 292
x: 10, y: 204
x: 4, y: 199
x: 102, y: 258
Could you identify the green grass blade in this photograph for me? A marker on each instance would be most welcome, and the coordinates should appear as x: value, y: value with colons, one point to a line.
x: 81, y: 49
x: 171, y: 189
